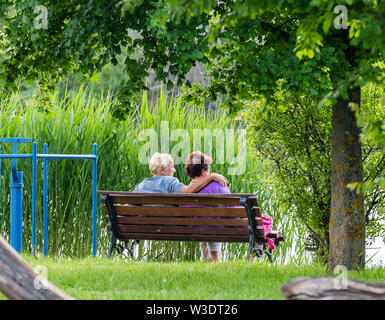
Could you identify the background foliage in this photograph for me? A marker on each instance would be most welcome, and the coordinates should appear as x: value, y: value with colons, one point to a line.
x: 295, y: 135
x: 78, y: 120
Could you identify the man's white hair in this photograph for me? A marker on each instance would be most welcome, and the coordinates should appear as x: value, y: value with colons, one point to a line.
x: 159, y: 161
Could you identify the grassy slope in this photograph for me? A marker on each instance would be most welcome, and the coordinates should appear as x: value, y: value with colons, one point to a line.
x: 94, y: 278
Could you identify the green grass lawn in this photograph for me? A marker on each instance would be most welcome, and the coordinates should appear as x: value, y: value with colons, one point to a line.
x: 100, y: 278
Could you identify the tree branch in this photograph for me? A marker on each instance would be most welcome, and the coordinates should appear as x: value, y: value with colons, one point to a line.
x: 18, y: 280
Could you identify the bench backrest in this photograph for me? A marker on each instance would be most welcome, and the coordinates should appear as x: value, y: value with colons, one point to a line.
x: 181, y: 217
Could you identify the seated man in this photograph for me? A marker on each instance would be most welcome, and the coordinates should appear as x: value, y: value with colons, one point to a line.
x: 162, y: 169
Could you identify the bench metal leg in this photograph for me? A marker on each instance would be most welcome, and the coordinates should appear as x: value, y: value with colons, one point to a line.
x: 269, y: 254
x: 120, y: 248
x: 254, y: 251
x: 112, y: 245
x: 131, y: 248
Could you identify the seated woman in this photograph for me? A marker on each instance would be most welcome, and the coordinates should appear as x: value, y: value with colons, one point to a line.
x: 162, y: 169
x: 198, y: 168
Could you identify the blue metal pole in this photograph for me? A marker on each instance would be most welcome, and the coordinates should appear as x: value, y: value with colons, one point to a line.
x: 14, y: 161
x: 17, y: 210
x: 94, y: 187
x: 16, y: 204
x: 34, y: 192
x: 45, y: 202
x: 16, y: 195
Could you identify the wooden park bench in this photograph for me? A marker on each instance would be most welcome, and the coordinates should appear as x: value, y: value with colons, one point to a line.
x: 135, y: 216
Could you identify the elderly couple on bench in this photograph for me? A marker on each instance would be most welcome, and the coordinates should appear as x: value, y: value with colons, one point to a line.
x: 202, y: 181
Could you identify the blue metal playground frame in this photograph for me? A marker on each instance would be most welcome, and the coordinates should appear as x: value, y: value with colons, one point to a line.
x: 16, y: 185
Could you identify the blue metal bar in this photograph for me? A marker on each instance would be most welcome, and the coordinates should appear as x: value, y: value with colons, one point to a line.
x: 65, y: 156
x: 94, y: 187
x: 47, y: 156
x: 45, y: 202
x: 16, y: 140
x: 34, y: 195
x: 15, y: 156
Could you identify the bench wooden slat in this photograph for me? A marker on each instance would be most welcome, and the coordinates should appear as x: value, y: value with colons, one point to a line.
x: 125, y: 228
x: 182, y: 230
x: 275, y: 234
x: 182, y: 221
x: 184, y: 237
x: 177, y: 195
x: 165, y: 217
x: 176, y: 201
x: 181, y: 211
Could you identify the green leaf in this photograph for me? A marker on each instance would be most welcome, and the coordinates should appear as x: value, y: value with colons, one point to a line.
x: 380, y: 182
x: 327, y: 23
x: 94, y: 78
x: 198, y: 54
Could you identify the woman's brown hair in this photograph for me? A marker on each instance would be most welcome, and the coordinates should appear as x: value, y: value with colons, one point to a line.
x: 197, y: 161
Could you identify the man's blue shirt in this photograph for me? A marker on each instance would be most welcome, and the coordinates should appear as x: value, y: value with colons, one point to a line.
x: 160, y: 184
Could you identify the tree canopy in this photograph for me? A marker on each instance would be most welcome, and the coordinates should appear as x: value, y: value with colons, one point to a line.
x: 247, y: 46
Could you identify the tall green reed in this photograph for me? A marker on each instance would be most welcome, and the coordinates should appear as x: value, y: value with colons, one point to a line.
x: 77, y: 121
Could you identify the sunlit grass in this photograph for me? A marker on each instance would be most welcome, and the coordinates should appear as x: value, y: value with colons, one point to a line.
x: 92, y: 278
x: 100, y: 278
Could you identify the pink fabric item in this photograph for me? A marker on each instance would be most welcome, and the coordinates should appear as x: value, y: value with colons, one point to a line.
x: 267, y: 224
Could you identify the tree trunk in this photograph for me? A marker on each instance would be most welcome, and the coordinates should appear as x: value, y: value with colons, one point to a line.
x: 347, y: 217
x: 19, y: 281
x: 332, y: 289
